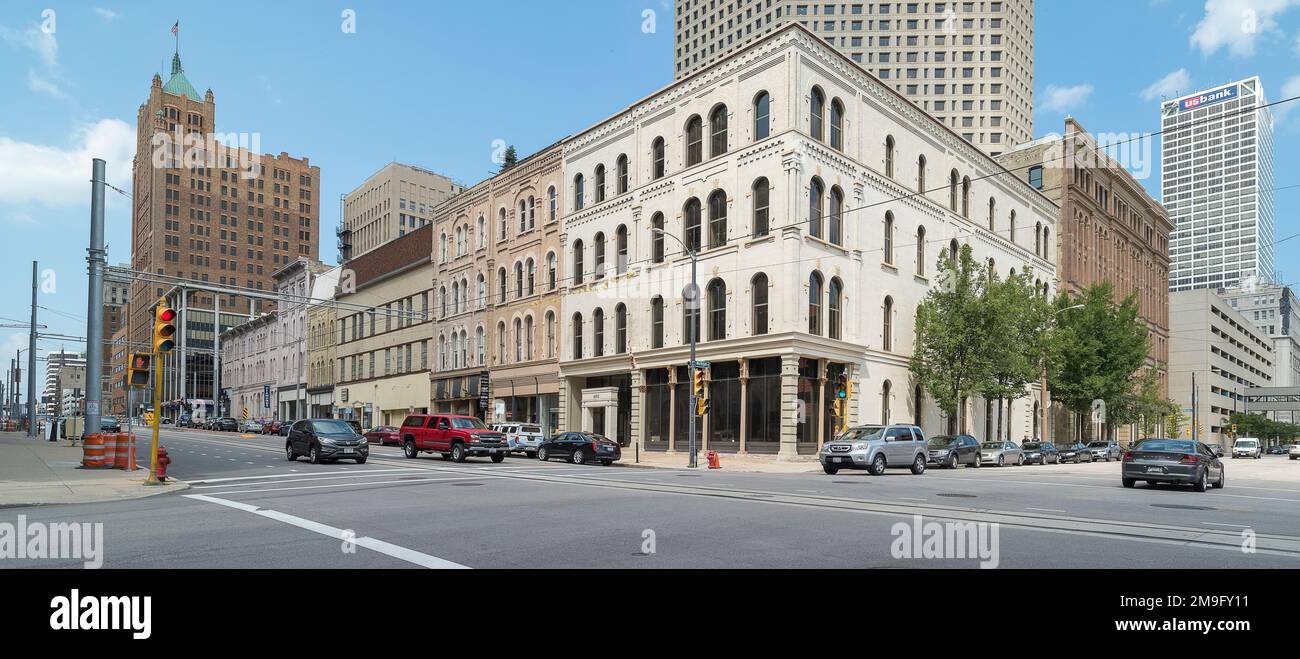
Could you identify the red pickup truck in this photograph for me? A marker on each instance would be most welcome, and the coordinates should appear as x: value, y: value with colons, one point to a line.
x: 455, y: 437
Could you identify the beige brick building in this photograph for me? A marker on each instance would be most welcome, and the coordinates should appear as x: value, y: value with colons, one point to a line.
x: 970, y: 64
x: 210, y: 214
x: 497, y: 249
x: 1110, y: 230
x: 393, y: 202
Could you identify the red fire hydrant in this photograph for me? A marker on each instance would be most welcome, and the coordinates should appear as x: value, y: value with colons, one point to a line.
x: 163, y: 461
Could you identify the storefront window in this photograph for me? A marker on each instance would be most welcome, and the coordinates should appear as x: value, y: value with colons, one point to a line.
x: 657, y: 400
x: 724, y: 406
x: 809, y: 389
x: 763, y: 406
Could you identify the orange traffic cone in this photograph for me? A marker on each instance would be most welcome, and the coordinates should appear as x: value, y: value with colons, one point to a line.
x: 715, y: 462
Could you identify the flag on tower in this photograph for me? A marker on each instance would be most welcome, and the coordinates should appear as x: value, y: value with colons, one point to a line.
x: 176, y: 27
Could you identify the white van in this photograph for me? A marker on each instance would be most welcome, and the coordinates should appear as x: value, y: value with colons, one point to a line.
x: 521, y: 437
x: 1247, y: 447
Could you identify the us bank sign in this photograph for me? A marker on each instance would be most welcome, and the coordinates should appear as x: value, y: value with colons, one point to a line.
x: 1208, y: 98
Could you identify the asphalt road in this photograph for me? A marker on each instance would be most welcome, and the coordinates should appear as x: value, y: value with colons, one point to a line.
x: 250, y: 508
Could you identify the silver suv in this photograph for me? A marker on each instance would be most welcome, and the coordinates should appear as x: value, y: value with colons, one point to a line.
x: 875, y: 448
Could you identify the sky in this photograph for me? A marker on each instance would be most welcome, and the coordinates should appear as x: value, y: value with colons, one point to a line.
x: 356, y: 84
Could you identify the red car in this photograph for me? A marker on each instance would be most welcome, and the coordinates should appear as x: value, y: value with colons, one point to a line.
x: 454, y: 436
x: 271, y: 427
x: 384, y: 435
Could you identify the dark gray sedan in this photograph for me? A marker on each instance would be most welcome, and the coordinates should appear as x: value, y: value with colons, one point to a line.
x: 1041, y: 453
x: 1179, y: 461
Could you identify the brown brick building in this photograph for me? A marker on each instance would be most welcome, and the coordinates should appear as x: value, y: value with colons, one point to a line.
x: 211, y: 214
x: 1110, y: 229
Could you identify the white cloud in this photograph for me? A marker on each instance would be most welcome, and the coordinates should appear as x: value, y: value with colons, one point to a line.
x: 42, y: 86
x: 42, y: 43
x: 107, y: 14
x: 1065, y: 99
x: 1237, y: 24
x: 37, y: 174
x: 1168, y: 86
x: 1289, y: 89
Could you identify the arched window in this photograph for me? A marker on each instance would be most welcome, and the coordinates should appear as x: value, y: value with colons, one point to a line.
x: 1047, y: 244
x: 884, y: 402
x: 1038, y: 238
x: 759, y: 287
x: 528, y: 337
x: 599, y: 256
x: 502, y: 230
x: 532, y: 276
x: 552, y: 201
x: 620, y: 329
x: 815, y: 303
x: 657, y: 158
x: 442, y: 353
x: 761, y: 201
x: 598, y: 333
x: 622, y: 183
x: 578, y: 184
x: 694, y: 141
x: 953, y: 181
x: 718, y: 131
x: 550, y: 334
x: 834, y: 307
x: 657, y: 238
x: 442, y: 304
x: 762, y: 115
x: 501, y: 343
x: 552, y: 277
x: 657, y: 322
x: 600, y: 183
x: 519, y: 279
x: 993, y: 209
x: 918, y: 402
x: 577, y: 336
x: 816, y: 112
x: 837, y: 125
x: 480, y: 233
x: 835, y: 219
x: 519, y: 340
x: 920, y: 251
x: 889, y: 237
x: 889, y: 156
x: 691, y: 222
x: 815, y: 193
x: 965, y: 196
x: 532, y: 212
x: 1013, y: 226
x: 442, y: 248
x: 887, y: 326
x: 920, y: 174
x: 953, y: 250
x: 480, y: 296
x: 717, y: 300
x: 717, y: 219
x: 620, y: 249
x: 523, y: 216
x: 577, y: 262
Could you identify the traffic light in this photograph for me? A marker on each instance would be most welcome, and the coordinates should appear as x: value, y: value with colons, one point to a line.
x: 1234, y: 428
x: 139, y: 369
x: 164, y: 329
x: 701, y: 393
x: 842, y: 387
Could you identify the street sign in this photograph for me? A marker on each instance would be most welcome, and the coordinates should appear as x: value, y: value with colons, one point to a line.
x: 148, y: 418
x: 700, y: 364
x: 245, y: 413
x: 266, y: 396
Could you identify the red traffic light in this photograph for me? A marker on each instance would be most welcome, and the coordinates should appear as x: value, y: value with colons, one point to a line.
x: 166, y: 315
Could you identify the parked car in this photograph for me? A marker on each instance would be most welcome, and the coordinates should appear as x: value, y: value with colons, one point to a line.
x: 1280, y: 449
x: 1294, y: 453
x: 1002, y: 453
x: 251, y: 425
x: 271, y: 427
x: 1217, y: 448
x: 1076, y: 453
x: 1105, y: 451
x: 225, y: 424
x: 1041, y: 453
x: 580, y: 448
x: 876, y: 448
x: 183, y: 421
x: 950, y: 451
x: 325, y: 439
x: 110, y: 424
x: 384, y: 435
x: 521, y: 437
x: 166, y: 421
x: 455, y: 437
x: 283, y: 430
x: 1181, y: 461
x: 1246, y: 447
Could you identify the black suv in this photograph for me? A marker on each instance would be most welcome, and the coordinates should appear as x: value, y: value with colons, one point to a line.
x: 325, y: 439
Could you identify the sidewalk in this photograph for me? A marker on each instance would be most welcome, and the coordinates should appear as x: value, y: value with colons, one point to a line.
x: 34, y: 472
x: 759, y: 464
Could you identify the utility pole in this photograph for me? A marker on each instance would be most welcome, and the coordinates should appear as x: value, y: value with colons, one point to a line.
x: 693, y: 327
x: 94, y: 300
x: 31, y: 364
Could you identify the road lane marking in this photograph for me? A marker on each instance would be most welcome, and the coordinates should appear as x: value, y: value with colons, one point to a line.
x: 375, y: 545
x: 1231, y: 526
x: 404, y: 481
x: 208, y: 481
x: 1047, y: 510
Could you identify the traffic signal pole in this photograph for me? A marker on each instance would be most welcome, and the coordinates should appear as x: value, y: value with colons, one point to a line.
x: 164, y: 331
x: 157, y: 405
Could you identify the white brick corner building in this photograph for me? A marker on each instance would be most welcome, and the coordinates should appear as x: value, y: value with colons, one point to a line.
x: 796, y: 173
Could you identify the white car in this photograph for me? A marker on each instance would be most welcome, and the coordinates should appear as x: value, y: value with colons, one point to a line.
x: 251, y: 425
x: 1247, y: 447
x: 1294, y: 453
x: 521, y: 437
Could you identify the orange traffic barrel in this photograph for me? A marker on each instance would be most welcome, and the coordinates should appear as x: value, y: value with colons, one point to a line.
x: 122, y: 458
x: 92, y: 451
x: 110, y: 449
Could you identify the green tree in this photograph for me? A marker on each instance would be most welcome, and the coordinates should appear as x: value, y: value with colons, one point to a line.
x: 510, y: 158
x: 1096, y: 351
x: 952, y: 355
x: 1018, y: 318
x: 1175, y: 421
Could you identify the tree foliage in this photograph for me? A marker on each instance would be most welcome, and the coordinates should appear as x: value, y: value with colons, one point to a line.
x: 1262, y: 427
x: 1096, y: 353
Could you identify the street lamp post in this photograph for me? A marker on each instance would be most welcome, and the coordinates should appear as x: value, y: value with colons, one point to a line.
x: 692, y: 328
